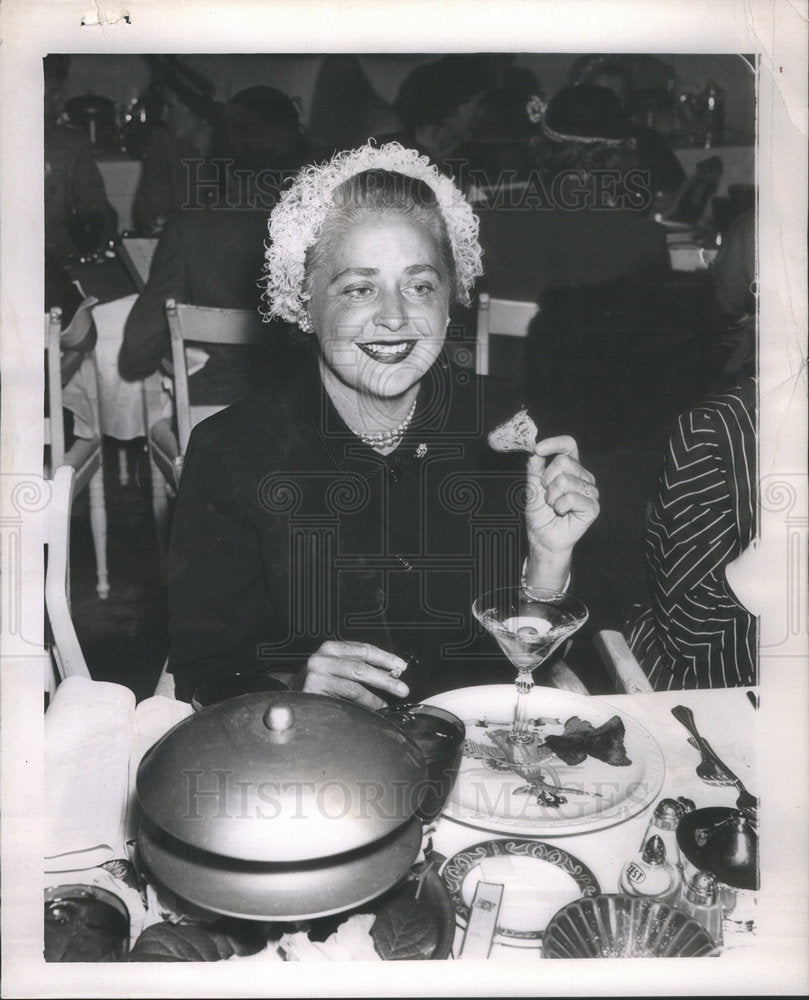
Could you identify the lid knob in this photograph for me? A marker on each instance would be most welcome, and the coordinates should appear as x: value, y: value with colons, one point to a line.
x: 279, y: 718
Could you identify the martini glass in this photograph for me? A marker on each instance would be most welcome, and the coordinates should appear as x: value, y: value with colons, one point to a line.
x: 528, y: 625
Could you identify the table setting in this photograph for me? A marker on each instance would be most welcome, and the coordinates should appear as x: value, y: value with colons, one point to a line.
x: 610, y: 825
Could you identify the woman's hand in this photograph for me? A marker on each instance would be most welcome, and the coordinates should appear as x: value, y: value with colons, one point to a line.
x: 343, y: 669
x: 561, y: 505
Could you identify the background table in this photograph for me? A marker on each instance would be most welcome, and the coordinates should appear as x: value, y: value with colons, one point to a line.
x: 121, y: 175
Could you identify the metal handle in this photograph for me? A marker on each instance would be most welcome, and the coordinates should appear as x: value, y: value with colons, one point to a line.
x: 686, y: 717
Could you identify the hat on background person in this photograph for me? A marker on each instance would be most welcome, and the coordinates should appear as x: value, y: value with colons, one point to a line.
x: 586, y: 113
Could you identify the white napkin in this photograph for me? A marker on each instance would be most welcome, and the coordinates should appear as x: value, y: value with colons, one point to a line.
x: 121, y: 402
x: 88, y: 741
x: 153, y: 717
x: 351, y: 942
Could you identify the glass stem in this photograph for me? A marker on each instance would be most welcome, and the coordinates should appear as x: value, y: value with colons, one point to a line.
x: 520, y: 731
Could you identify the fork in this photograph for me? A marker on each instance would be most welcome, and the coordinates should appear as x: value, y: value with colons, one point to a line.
x: 746, y: 801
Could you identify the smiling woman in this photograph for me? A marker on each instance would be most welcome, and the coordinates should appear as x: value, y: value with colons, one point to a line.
x: 379, y: 306
x: 335, y: 527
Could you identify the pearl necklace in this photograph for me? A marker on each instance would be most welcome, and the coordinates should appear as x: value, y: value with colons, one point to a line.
x: 385, y: 439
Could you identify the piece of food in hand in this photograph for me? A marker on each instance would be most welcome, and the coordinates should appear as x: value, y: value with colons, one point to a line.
x: 580, y: 740
x: 518, y: 433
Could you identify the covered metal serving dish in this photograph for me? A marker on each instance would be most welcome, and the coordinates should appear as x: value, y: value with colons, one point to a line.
x: 280, y: 805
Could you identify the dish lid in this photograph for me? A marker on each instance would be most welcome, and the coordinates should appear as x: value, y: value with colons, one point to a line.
x: 281, y: 776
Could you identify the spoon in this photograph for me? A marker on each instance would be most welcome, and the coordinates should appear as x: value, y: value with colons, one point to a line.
x: 746, y: 801
x: 707, y: 769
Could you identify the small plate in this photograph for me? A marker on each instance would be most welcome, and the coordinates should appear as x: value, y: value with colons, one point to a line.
x: 490, y: 795
x: 538, y: 880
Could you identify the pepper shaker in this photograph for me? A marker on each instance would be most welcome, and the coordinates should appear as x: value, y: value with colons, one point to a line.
x: 701, y: 900
x: 663, y: 824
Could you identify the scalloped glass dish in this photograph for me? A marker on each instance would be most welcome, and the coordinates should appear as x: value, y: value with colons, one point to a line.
x: 615, y: 926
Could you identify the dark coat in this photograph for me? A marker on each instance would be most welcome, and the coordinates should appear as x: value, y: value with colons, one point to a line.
x: 289, y: 531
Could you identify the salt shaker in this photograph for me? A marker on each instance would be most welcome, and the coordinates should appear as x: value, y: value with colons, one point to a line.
x: 701, y: 900
x: 663, y: 824
x: 651, y: 875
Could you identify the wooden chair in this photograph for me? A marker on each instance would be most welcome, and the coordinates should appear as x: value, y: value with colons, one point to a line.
x: 85, y: 454
x: 503, y: 317
x: 167, y: 438
x: 66, y: 654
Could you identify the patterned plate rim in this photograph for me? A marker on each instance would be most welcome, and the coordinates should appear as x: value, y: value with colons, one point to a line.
x: 456, y: 868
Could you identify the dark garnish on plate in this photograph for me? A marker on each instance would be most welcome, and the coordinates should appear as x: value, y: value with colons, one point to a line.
x: 581, y: 740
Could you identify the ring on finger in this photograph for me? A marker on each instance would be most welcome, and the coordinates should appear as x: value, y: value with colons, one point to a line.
x: 587, y: 490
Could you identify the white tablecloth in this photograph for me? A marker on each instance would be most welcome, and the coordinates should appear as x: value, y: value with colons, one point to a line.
x: 121, y: 176
x: 718, y: 716
x: 121, y: 403
x: 725, y: 717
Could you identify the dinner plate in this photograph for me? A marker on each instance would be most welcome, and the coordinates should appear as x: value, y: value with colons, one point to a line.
x: 538, y: 880
x: 491, y: 795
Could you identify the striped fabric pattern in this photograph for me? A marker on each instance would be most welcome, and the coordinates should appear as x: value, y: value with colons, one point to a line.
x: 696, y: 634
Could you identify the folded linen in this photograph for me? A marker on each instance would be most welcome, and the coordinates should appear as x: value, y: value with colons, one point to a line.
x: 88, y: 743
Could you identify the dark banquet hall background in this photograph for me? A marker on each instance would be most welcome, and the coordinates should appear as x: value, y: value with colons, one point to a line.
x: 633, y: 324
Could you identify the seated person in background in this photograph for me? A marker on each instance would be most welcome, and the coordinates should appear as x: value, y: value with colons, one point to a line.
x: 653, y: 151
x: 440, y: 104
x: 697, y: 633
x: 179, y: 104
x: 78, y: 218
x: 213, y: 254
x: 577, y: 240
x: 506, y: 129
x: 580, y: 219
x: 334, y: 528
x: 346, y: 111
x: 734, y: 276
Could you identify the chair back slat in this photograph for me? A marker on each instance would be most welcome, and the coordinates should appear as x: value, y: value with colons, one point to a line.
x: 54, y: 429
x: 503, y: 317
x: 66, y: 649
x: 205, y: 325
